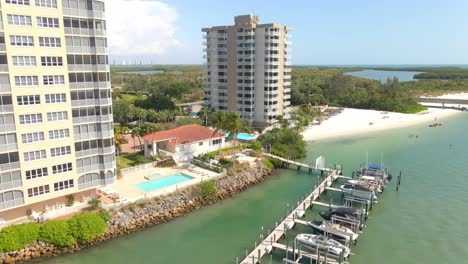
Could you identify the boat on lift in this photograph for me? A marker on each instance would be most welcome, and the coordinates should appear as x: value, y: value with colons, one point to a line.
x: 337, y: 231
x: 314, y: 242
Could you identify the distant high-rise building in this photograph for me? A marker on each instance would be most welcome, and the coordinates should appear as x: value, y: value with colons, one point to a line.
x: 56, y: 127
x: 248, y: 69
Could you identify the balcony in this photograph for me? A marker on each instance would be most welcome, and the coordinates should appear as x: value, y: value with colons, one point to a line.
x: 6, y: 109
x: 3, y: 67
x: 273, y: 63
x: 271, y: 78
x: 88, y: 67
x: 10, y: 185
x: 92, y: 119
x: 287, y: 77
x: 83, y: 13
x: 287, y: 96
x: 7, y: 128
x: 95, y: 167
x: 86, y: 49
x: 85, y: 31
x: 84, y: 85
x: 9, y: 166
x: 287, y: 90
x: 2, y: 47
x: 94, y: 135
x: 8, y: 147
x: 287, y: 84
x: 287, y: 69
x: 272, y: 33
x: 286, y: 103
x: 95, y: 151
x: 91, y: 102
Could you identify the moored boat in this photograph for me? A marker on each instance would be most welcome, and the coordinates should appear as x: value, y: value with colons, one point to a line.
x: 336, y: 230
x: 359, y: 190
x: 314, y: 242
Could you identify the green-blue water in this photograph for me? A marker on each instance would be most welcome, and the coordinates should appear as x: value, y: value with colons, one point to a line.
x: 403, y: 76
x: 425, y: 222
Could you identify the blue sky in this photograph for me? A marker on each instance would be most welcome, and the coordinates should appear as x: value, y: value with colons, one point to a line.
x: 325, y: 32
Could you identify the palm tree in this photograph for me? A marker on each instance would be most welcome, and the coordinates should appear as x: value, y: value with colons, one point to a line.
x: 234, y: 126
x: 282, y: 121
x: 219, y: 124
x: 119, y: 138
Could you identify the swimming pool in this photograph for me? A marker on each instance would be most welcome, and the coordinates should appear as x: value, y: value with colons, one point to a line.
x: 243, y: 136
x: 169, y: 180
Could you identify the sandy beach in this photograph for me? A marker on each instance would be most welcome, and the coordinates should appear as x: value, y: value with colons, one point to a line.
x: 357, y: 121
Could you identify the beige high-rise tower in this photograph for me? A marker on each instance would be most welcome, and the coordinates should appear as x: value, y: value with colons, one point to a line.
x: 248, y: 70
x: 56, y: 130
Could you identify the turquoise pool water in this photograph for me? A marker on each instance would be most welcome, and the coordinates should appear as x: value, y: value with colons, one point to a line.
x: 163, y: 182
x: 245, y: 136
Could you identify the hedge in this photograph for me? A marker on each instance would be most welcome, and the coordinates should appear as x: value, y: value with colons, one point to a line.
x: 18, y: 236
x: 87, y: 226
x: 56, y: 232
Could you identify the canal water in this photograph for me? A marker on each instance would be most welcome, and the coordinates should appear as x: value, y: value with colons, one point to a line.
x: 425, y: 222
x: 403, y: 76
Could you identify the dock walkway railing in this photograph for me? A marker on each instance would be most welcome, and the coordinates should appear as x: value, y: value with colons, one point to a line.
x: 267, y: 243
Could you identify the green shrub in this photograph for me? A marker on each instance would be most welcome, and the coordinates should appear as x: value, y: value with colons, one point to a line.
x: 105, y: 215
x: 276, y: 162
x: 87, y: 226
x: 268, y: 163
x: 207, y: 189
x: 17, y: 236
x: 94, y: 203
x: 70, y: 199
x: 56, y: 232
x: 256, y: 145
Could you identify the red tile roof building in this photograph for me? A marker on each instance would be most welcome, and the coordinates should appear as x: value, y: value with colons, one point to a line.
x: 183, y: 142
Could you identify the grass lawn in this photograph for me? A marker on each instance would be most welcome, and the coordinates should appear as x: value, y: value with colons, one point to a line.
x: 131, y: 98
x: 132, y: 159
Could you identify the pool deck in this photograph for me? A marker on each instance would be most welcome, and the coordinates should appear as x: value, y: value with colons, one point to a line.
x: 126, y: 187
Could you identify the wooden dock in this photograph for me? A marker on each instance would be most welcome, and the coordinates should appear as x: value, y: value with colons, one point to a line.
x: 302, y: 165
x: 268, y: 243
x: 304, y: 254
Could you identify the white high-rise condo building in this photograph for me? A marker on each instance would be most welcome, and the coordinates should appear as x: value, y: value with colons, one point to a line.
x: 248, y: 70
x: 56, y: 130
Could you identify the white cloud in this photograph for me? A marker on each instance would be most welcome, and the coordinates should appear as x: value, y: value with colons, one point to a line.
x: 140, y: 27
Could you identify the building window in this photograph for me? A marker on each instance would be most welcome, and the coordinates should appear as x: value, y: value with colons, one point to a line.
x: 34, y: 155
x: 36, y: 191
x: 217, y: 141
x: 49, y: 42
x: 200, y: 144
x: 32, y: 137
x: 28, y: 100
x: 57, y: 116
x: 24, y: 61
x: 55, y: 98
x: 17, y: 2
x: 37, y: 173
x: 51, y: 61
x: 31, y: 119
x: 22, y: 41
x: 53, y: 80
x: 59, y: 133
x: 19, y: 20
x: 58, y: 186
x: 46, y: 3
x: 48, y: 22
x: 26, y: 80
x: 60, y: 151
x: 61, y: 168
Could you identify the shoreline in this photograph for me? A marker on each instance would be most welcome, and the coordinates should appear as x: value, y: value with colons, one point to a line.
x: 146, y: 213
x: 353, y: 121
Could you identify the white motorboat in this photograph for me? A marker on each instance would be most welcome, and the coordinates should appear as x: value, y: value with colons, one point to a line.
x: 314, y: 242
x: 336, y: 230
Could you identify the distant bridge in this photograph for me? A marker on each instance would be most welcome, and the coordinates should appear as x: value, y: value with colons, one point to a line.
x: 454, y: 103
